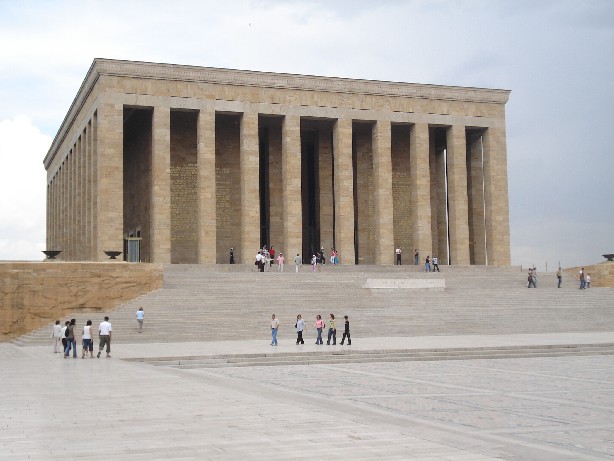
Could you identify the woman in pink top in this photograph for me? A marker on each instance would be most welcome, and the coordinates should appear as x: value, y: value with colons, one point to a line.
x: 280, y: 262
x: 319, y: 325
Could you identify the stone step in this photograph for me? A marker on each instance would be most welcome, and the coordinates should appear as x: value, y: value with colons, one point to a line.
x: 348, y: 356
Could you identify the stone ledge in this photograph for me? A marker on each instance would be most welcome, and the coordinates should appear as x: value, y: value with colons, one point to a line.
x: 411, y: 284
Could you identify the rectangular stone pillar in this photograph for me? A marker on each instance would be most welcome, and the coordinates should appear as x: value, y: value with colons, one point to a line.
x: 457, y: 195
x: 249, y: 159
x: 94, y: 187
x: 110, y: 178
x: 420, y: 175
x: 161, y: 186
x: 205, y: 159
x: 382, y: 188
x: 291, y: 186
x: 344, y: 191
x: 496, y: 197
x: 475, y: 188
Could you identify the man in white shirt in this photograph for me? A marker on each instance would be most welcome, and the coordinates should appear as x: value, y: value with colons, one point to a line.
x: 104, y: 331
x: 274, y: 328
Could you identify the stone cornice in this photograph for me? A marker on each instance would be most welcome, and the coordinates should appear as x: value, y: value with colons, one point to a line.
x: 132, y: 69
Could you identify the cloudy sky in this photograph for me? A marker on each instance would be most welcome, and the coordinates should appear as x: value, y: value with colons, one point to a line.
x: 557, y: 57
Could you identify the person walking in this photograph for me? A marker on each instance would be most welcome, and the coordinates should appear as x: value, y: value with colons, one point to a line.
x: 274, y: 329
x: 280, y: 262
x: 88, y: 340
x: 314, y: 263
x: 56, y: 334
x: 530, y: 279
x: 588, y: 280
x: 259, y: 262
x: 427, y: 264
x: 272, y: 254
x: 416, y: 258
x: 232, y: 256
x: 435, y: 264
x: 297, y: 262
x: 346, y: 331
x: 140, y: 315
x: 559, y: 276
x: 398, y: 253
x: 332, y: 331
x: 70, y: 340
x: 63, y: 335
x: 319, y: 326
x: 104, y: 333
x: 582, y: 280
x: 300, y: 327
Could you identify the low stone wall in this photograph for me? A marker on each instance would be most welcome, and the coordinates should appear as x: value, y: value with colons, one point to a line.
x: 602, y: 275
x: 32, y: 294
x: 409, y: 284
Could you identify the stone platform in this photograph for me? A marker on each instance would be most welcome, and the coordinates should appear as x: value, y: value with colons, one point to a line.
x: 127, y: 408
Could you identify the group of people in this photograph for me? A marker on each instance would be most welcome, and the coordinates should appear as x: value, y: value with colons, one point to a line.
x: 532, y: 278
x: 427, y: 264
x: 67, y: 336
x: 266, y: 257
x: 319, y: 326
x: 585, y: 280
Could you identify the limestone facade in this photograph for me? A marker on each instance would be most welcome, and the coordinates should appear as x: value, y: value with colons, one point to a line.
x: 194, y: 161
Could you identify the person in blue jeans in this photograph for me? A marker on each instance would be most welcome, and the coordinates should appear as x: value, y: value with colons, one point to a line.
x: 70, y: 340
x: 274, y: 328
x: 319, y: 326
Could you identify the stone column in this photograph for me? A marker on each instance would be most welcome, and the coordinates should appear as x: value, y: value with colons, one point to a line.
x: 344, y: 191
x: 291, y: 186
x: 475, y: 187
x: 496, y: 197
x: 457, y: 195
x: 110, y: 178
x: 382, y: 188
x: 161, y: 186
x: 249, y: 160
x: 420, y: 174
x: 205, y: 159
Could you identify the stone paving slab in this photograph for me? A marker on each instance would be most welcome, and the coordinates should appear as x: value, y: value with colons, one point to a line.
x: 546, y: 408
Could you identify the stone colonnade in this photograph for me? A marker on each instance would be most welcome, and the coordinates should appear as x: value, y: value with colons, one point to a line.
x: 194, y: 176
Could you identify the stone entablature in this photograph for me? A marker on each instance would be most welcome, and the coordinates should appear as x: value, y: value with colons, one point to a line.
x: 173, y: 72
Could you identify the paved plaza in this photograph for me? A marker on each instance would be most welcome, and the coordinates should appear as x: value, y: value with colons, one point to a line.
x: 537, y: 408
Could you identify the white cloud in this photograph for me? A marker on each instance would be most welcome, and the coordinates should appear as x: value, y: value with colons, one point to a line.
x: 22, y: 189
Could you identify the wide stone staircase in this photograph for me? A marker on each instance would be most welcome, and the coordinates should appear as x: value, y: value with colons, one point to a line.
x: 222, y: 303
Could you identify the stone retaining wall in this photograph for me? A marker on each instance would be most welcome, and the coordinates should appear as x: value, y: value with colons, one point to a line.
x: 602, y: 275
x: 33, y: 294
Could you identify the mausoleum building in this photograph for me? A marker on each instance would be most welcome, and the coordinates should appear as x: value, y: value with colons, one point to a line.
x: 177, y: 164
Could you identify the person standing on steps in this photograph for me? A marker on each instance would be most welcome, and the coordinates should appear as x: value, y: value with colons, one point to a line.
x: 140, y: 315
x: 300, y: 326
x: 588, y: 280
x: 88, y: 340
x: 56, y: 334
x: 319, y: 326
x: 280, y: 262
x: 435, y: 264
x: 346, y: 331
x: 71, y: 340
x: 104, y: 332
x: 232, y: 256
x: 314, y: 263
x: 427, y: 264
x: 332, y: 331
x: 297, y: 262
x: 398, y: 253
x: 559, y: 276
x: 582, y: 280
x: 272, y: 254
x: 274, y: 328
x: 416, y: 258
